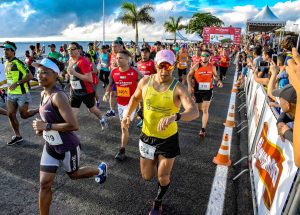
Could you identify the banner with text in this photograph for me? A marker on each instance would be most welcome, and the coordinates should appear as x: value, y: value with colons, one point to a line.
x: 222, y: 35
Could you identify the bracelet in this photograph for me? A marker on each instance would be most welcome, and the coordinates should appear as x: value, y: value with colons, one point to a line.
x: 178, y: 117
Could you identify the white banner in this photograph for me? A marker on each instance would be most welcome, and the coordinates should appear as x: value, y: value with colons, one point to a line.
x: 273, y: 166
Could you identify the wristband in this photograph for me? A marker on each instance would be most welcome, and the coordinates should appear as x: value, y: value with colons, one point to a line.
x: 178, y: 117
x: 48, y: 126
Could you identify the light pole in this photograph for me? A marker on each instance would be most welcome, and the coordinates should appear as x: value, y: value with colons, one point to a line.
x: 103, y: 18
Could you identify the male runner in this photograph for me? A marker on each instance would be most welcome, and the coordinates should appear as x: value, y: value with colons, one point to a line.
x: 182, y: 63
x: 81, y: 81
x: 18, y: 96
x: 203, y: 73
x: 125, y: 78
x: 62, y: 145
x: 162, y: 96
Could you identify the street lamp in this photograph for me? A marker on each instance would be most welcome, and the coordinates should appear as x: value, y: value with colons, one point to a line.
x: 103, y: 18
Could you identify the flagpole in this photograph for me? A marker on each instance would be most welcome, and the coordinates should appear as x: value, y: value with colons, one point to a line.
x: 103, y: 18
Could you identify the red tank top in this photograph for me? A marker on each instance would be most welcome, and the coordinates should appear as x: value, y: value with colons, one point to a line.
x: 126, y: 83
x: 204, y: 77
x: 146, y: 68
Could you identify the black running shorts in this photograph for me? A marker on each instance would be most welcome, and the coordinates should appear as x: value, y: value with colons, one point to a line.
x: 181, y: 72
x: 169, y: 147
x: 88, y: 100
x: 203, y: 95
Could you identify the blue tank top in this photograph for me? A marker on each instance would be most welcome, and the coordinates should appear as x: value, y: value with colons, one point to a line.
x: 51, y: 114
x: 104, y: 59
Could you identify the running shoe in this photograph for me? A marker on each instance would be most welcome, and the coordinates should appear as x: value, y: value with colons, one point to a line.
x: 140, y: 124
x: 120, y: 156
x: 14, y: 140
x: 101, y: 178
x: 110, y: 113
x: 103, y: 123
x: 156, y: 209
x: 202, y: 134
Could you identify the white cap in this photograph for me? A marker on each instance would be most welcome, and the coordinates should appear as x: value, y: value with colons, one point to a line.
x: 46, y: 62
x: 165, y: 56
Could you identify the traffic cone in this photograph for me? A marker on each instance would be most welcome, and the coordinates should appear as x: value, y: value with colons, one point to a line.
x: 230, y: 118
x: 222, y: 157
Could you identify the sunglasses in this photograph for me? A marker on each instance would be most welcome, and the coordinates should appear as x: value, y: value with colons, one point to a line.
x: 205, y: 55
x: 165, y: 66
x: 71, y: 49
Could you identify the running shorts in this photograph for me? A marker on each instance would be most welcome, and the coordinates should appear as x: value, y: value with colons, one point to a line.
x: 181, y: 72
x: 169, y: 147
x: 123, y: 110
x: 88, y: 100
x: 203, y: 95
x: 51, y: 160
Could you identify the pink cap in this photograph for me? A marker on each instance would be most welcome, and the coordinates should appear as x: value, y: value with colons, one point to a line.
x: 165, y: 56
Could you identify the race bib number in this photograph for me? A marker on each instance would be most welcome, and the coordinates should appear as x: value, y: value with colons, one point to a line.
x: 183, y: 63
x: 52, y: 137
x: 123, y: 91
x: 146, y: 150
x: 204, y: 86
x: 76, y: 85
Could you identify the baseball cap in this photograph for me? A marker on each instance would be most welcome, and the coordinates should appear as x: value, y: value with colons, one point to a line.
x: 52, y: 45
x: 91, y: 44
x: 9, y: 45
x: 46, y: 62
x: 287, y: 92
x: 165, y: 56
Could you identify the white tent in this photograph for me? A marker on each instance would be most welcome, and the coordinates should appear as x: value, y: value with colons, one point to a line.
x: 265, y: 21
x: 182, y: 37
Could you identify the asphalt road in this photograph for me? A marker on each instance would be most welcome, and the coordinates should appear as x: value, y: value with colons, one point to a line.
x: 124, y: 192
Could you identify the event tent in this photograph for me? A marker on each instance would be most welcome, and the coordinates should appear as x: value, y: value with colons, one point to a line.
x: 264, y: 21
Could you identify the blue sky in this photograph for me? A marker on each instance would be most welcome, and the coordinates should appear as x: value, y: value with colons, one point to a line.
x: 82, y: 19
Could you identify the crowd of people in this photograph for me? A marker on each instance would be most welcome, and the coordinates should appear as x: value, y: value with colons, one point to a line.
x: 139, y: 81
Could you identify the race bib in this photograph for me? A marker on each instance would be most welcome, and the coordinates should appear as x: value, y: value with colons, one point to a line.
x: 123, y: 91
x: 146, y: 150
x: 76, y: 85
x: 103, y: 65
x: 52, y: 137
x: 183, y: 63
x: 204, y: 86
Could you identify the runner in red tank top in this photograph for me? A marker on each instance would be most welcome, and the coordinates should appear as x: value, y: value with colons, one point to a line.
x: 146, y: 65
x: 203, y: 73
x: 125, y: 78
x: 197, y: 57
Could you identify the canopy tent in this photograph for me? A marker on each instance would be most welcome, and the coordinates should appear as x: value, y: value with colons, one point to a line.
x: 264, y: 21
x: 181, y: 36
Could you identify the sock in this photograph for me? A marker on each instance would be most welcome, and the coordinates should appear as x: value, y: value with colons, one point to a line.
x: 122, y: 150
x: 161, y: 192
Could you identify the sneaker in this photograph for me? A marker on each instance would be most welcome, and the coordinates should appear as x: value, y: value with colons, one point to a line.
x: 14, y: 140
x: 110, y: 113
x: 202, y: 134
x: 156, y: 209
x: 101, y: 178
x: 140, y: 124
x: 120, y: 156
x: 103, y: 123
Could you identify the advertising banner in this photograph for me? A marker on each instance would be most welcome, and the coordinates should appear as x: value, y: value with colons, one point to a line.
x: 222, y: 34
x: 273, y: 167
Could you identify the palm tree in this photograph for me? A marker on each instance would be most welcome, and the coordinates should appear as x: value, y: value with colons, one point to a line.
x: 131, y: 15
x: 173, y: 26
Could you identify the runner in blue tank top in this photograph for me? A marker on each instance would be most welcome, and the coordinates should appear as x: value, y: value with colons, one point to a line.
x: 57, y: 126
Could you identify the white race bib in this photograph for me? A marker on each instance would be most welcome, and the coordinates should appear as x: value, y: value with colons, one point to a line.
x: 146, y: 150
x: 204, y: 86
x: 52, y: 137
x: 76, y: 85
x: 183, y: 63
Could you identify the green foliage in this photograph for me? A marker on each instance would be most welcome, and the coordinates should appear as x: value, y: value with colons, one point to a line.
x: 201, y: 20
x: 173, y: 25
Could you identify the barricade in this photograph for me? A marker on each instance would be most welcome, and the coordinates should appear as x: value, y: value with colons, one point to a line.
x: 271, y: 160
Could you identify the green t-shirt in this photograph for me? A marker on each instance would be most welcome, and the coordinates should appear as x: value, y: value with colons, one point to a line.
x: 55, y: 55
x: 16, y: 70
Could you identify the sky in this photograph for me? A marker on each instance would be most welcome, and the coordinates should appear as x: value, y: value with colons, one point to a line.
x: 63, y: 20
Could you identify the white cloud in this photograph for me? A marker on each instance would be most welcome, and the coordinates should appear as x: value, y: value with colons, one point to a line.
x: 25, y: 12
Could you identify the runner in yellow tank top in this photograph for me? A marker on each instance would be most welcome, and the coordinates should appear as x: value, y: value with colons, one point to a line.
x: 159, y: 141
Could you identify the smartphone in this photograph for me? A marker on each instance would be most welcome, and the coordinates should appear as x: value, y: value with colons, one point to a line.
x: 274, y: 58
x: 298, y: 44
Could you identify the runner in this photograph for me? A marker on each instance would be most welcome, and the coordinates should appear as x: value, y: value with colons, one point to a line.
x: 92, y: 52
x: 147, y: 67
x: 224, y: 64
x: 81, y: 81
x: 125, y: 78
x: 18, y: 96
x: 182, y: 63
x: 203, y: 74
x: 196, y: 57
x: 54, y: 54
x: 105, y: 58
x: 62, y: 145
x: 117, y: 46
x: 162, y: 96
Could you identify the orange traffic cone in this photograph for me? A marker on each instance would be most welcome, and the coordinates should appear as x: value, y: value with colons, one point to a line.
x: 230, y: 118
x: 222, y: 157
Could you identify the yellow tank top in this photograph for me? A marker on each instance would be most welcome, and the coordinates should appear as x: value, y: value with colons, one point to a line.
x: 156, y: 106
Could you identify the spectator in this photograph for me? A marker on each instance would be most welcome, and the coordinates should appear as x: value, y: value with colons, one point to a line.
x: 54, y: 54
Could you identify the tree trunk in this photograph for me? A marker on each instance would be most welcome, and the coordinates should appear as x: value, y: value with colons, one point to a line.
x: 136, y: 34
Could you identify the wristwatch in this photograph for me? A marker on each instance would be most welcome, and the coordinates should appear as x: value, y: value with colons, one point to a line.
x: 178, y: 116
x: 48, y: 126
x: 18, y: 83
